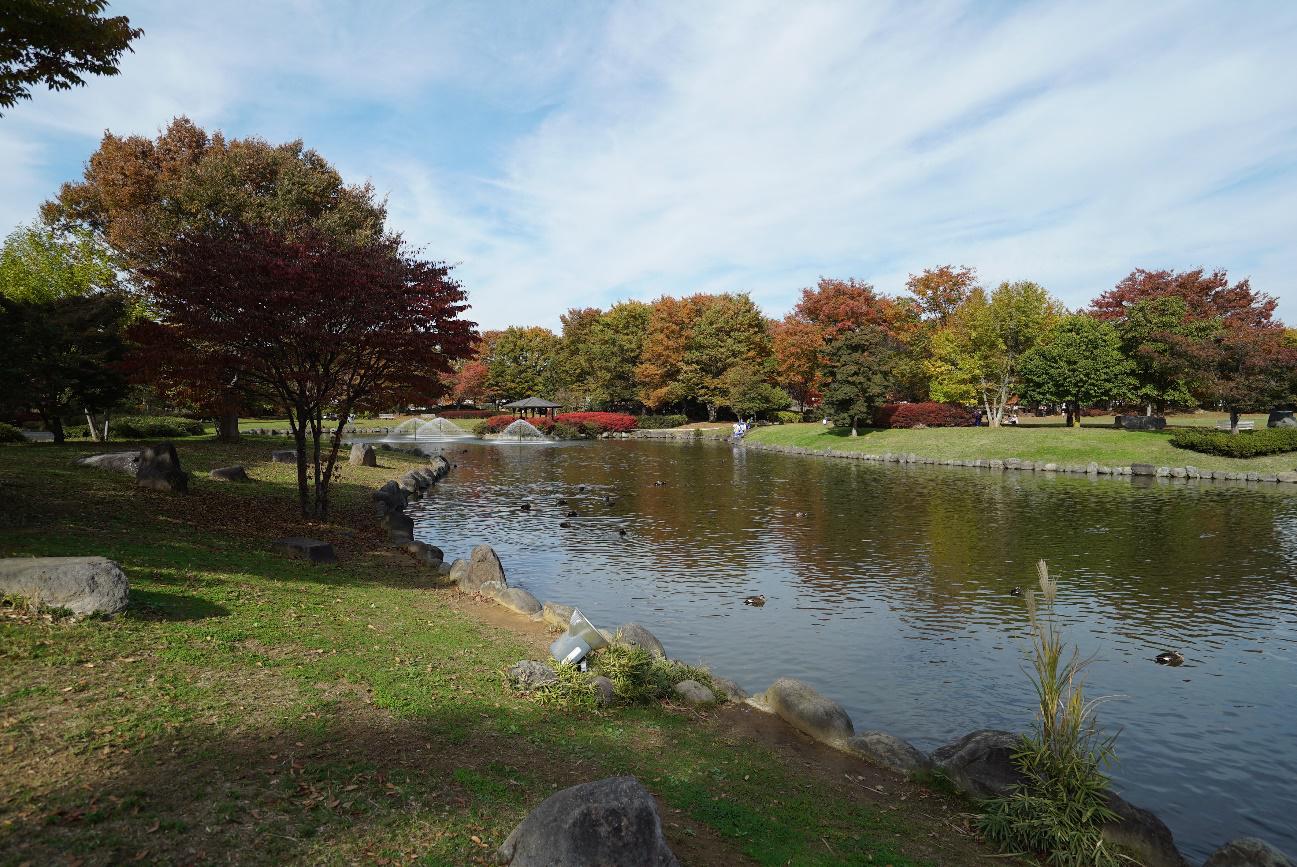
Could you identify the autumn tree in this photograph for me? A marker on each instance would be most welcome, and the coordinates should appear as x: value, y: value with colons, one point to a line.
x: 56, y: 42
x: 1078, y: 363
x: 60, y: 355
x: 976, y: 357
x: 469, y: 381
x: 601, y: 350
x: 138, y: 195
x: 858, y: 375
x: 798, y: 347
x: 658, y: 374
x: 1252, y: 368
x: 837, y: 306
x: 317, y: 323
x: 522, y: 362
x: 1206, y: 297
x: 940, y: 291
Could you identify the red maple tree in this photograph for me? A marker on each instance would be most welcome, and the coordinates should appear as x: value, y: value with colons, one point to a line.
x: 1206, y: 296
x: 312, y: 322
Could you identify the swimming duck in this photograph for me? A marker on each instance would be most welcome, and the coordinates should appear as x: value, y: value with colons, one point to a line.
x: 580, y: 488
x: 565, y: 524
x: 621, y: 533
x: 659, y: 483
x: 570, y: 514
x: 799, y: 514
x: 526, y: 507
x: 609, y: 499
x: 756, y: 601
x: 1016, y: 591
x: 562, y: 502
x: 1169, y: 657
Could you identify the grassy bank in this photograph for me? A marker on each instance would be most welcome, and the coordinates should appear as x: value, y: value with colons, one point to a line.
x: 1062, y: 445
x: 252, y: 709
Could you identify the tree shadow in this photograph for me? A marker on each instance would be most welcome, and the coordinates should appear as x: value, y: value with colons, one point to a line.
x: 153, y: 606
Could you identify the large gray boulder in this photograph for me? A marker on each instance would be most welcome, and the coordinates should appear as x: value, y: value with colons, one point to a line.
x: 83, y: 585
x: 160, y: 470
x: 399, y: 526
x: 805, y: 709
x: 607, y: 822
x: 1248, y: 852
x: 118, y: 462
x: 694, y: 693
x: 482, y: 566
x: 729, y: 688
x: 530, y: 674
x: 637, y: 636
x: 1278, y: 418
x: 889, y: 751
x: 558, y: 614
x: 1142, y: 834
x: 604, y: 690
x: 519, y: 601
x: 981, y: 763
x: 363, y: 455
x: 428, y: 555
x: 229, y: 474
x: 389, y: 498
x: 284, y: 456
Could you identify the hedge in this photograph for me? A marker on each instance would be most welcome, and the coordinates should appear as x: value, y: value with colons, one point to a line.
x: 11, y: 434
x: 138, y: 427
x: 929, y: 413
x: 466, y: 413
x: 1244, y: 444
x: 497, y: 423
x: 617, y: 422
x: 660, y: 422
x: 785, y: 416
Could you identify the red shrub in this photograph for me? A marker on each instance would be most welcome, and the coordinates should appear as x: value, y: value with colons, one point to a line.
x: 929, y: 413
x: 497, y: 423
x: 618, y: 422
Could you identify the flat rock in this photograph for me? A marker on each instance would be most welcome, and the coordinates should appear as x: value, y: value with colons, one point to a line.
x: 520, y: 601
x: 284, y: 456
x: 637, y: 636
x: 229, y: 474
x: 1142, y: 469
x: 83, y: 585
x: 304, y: 549
x: 160, y: 470
x: 607, y: 822
x: 428, y: 555
x: 1142, y: 834
x: 889, y: 751
x: 530, y: 674
x: 694, y: 693
x: 558, y: 614
x: 981, y: 763
x: 118, y: 462
x: 603, y: 685
x: 805, y: 709
x: 1248, y: 852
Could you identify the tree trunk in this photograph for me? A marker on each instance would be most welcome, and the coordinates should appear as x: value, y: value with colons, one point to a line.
x: 54, y: 425
x: 106, y: 415
x: 1148, y: 408
x: 1233, y: 421
x: 853, y: 426
x: 711, y: 412
x: 227, y: 427
x: 90, y: 425
x: 299, y: 440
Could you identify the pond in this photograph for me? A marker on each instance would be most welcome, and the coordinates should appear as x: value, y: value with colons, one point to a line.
x: 888, y: 588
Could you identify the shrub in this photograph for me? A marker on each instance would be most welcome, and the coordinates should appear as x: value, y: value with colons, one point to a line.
x: 1244, y: 444
x: 1061, y: 808
x: 11, y: 434
x: 659, y: 422
x: 928, y: 413
x: 639, y: 676
x: 144, y: 426
x: 567, y: 431
x: 787, y: 417
x: 617, y: 422
x: 497, y: 423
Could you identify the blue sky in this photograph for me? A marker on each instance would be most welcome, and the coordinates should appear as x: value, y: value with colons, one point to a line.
x: 573, y: 154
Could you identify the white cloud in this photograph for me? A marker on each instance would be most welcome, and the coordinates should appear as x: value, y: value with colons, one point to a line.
x: 577, y: 154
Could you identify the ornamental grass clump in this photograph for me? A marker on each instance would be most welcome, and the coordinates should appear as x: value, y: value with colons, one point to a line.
x: 1060, y: 810
x: 639, y: 676
x: 574, y: 688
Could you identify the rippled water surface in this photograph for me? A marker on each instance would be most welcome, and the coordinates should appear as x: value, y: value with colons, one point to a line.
x: 890, y: 592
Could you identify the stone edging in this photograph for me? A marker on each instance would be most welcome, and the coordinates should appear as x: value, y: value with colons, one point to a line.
x: 1017, y: 464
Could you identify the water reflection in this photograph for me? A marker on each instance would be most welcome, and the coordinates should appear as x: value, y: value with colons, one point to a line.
x: 891, y: 593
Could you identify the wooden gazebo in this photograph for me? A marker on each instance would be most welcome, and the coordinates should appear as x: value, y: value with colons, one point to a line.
x: 532, y: 406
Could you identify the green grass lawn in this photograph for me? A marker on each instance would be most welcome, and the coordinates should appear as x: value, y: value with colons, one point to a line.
x: 248, y: 708
x: 1061, y: 445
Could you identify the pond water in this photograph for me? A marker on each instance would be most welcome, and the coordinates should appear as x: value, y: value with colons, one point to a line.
x: 890, y: 593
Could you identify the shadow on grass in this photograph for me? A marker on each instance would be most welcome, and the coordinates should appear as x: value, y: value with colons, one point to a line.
x: 152, y: 605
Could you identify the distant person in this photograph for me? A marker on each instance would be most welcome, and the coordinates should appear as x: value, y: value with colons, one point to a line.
x: 977, y: 417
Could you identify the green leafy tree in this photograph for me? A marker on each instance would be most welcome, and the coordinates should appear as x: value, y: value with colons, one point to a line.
x: 1078, y: 363
x: 522, y: 362
x: 37, y: 264
x: 751, y: 393
x: 61, y: 355
x: 1168, y: 349
x: 976, y: 357
x: 55, y: 42
x: 728, y: 331
x: 859, y: 374
x: 600, y: 352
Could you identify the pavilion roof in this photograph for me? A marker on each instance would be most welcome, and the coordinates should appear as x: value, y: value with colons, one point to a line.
x: 532, y: 403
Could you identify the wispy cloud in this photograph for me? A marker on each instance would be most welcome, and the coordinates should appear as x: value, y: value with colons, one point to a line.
x: 578, y: 154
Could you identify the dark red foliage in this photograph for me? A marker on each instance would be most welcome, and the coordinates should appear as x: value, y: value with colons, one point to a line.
x: 929, y: 413
x: 497, y: 423
x: 616, y: 422
x: 1206, y: 296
